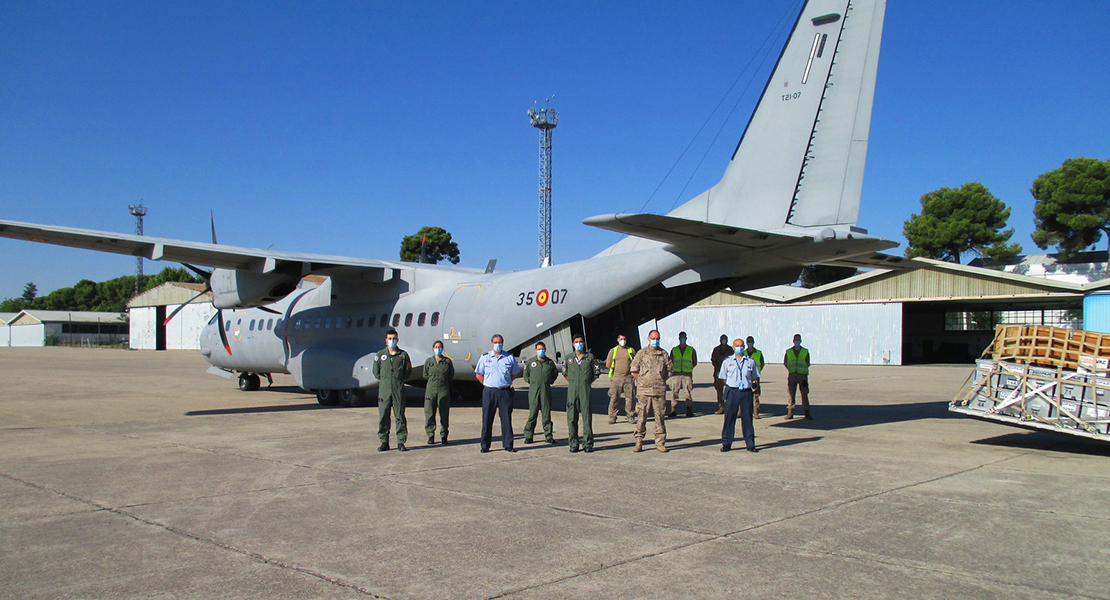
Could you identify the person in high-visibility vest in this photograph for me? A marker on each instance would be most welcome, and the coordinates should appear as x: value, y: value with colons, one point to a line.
x: 757, y: 356
x: 796, y: 362
x: 685, y: 358
x: 619, y: 363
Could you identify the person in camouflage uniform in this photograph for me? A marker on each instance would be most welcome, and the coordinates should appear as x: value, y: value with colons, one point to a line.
x: 438, y: 371
x: 651, y: 367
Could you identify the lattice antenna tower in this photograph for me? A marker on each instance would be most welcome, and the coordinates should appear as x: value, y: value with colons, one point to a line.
x: 545, y: 119
x: 139, y: 211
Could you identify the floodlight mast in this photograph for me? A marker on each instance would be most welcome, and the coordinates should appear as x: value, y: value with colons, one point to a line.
x: 139, y: 211
x: 545, y: 119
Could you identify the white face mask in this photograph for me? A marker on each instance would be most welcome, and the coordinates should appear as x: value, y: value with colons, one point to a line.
x: 391, y: 343
x: 623, y: 343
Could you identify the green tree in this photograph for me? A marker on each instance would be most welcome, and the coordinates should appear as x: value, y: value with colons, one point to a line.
x: 956, y: 221
x: 168, y: 274
x: 1073, y: 206
x: 437, y: 247
x: 817, y: 275
x: 30, y: 292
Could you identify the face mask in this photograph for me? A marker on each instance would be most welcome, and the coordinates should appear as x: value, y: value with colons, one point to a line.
x: 797, y: 343
x: 438, y: 351
x: 738, y: 349
x: 541, y: 352
x: 654, y: 343
x: 623, y: 343
x: 682, y: 340
x: 497, y: 347
x: 391, y: 343
x: 579, y: 346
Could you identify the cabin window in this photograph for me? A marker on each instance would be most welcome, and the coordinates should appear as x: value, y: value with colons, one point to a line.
x: 297, y: 323
x: 350, y: 321
x: 397, y: 320
x: 358, y: 323
x: 318, y: 319
x: 327, y: 323
x: 269, y: 325
x: 277, y: 325
x: 383, y: 321
x: 227, y: 326
x: 435, y: 319
x: 408, y: 320
x: 420, y: 320
x: 251, y: 327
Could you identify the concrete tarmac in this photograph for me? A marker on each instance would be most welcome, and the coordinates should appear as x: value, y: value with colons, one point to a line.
x: 136, y: 475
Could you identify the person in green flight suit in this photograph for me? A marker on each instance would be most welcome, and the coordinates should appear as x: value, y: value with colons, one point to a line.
x: 439, y: 370
x: 580, y: 371
x: 540, y: 372
x: 391, y: 368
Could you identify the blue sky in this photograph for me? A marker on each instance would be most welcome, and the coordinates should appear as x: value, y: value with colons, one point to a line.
x: 339, y: 127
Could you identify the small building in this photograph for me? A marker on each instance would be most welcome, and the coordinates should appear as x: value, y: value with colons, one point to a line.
x: 54, y: 327
x: 938, y: 312
x: 5, y: 329
x: 148, y: 310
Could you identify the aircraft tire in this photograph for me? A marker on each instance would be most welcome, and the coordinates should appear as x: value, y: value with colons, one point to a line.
x: 351, y: 397
x: 327, y: 397
x: 249, y: 382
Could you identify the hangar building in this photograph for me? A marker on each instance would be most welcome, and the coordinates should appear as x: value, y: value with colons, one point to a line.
x: 51, y: 327
x: 148, y: 310
x: 940, y: 312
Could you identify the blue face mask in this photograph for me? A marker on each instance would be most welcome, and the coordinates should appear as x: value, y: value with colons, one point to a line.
x: 797, y: 343
x: 579, y: 346
x: 497, y: 347
x: 438, y: 351
x: 654, y: 343
x: 682, y: 340
x: 738, y: 349
x: 541, y: 352
x: 391, y: 343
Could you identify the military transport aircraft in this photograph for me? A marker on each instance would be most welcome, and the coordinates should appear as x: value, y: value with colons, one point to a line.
x: 789, y: 197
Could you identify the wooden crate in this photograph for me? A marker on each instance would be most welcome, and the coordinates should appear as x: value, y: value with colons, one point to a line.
x: 1049, y: 346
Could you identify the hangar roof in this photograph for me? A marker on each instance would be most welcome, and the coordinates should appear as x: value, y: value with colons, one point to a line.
x: 6, y: 317
x: 171, y: 292
x: 31, y: 317
x: 931, y: 280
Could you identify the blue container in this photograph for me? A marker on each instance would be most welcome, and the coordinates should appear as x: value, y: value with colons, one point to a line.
x: 1096, y: 312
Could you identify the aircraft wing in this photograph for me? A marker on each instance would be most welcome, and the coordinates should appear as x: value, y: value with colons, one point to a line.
x: 197, y: 253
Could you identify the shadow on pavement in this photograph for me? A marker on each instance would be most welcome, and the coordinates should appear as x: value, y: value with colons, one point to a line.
x: 1042, y: 440
x: 827, y: 417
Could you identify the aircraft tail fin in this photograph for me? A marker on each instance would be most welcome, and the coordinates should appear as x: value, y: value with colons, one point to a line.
x: 800, y: 160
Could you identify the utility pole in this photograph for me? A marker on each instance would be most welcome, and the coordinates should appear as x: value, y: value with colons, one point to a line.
x: 139, y: 211
x: 545, y: 119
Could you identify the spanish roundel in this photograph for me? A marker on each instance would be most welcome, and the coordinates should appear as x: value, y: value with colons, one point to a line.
x: 541, y: 298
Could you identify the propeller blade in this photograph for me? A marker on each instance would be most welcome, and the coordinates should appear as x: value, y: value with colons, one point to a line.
x: 223, y: 334
x: 178, y: 309
x: 205, y: 275
x: 269, y: 310
x: 212, y: 219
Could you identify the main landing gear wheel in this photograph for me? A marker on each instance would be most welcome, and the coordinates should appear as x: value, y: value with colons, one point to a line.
x: 249, y: 382
x: 327, y: 397
x: 352, y: 397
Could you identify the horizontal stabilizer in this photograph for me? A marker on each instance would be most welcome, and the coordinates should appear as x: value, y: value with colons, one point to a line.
x: 875, y: 260
x: 688, y: 234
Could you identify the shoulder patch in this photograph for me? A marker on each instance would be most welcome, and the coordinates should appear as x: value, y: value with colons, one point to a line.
x: 385, y: 357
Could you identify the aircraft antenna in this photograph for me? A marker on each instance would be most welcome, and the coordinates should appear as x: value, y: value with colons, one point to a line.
x: 139, y: 211
x: 545, y: 119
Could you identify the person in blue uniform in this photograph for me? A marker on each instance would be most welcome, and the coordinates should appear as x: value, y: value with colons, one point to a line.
x: 740, y: 373
x: 496, y: 371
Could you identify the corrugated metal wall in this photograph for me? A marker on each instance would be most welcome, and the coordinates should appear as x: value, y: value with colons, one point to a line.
x: 844, y: 334
x: 1096, y: 312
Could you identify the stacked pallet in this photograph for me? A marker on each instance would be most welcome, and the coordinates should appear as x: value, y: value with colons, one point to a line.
x: 1042, y: 378
x: 1051, y: 347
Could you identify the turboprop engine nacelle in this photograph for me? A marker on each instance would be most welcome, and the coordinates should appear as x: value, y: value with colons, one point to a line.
x: 244, y: 289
